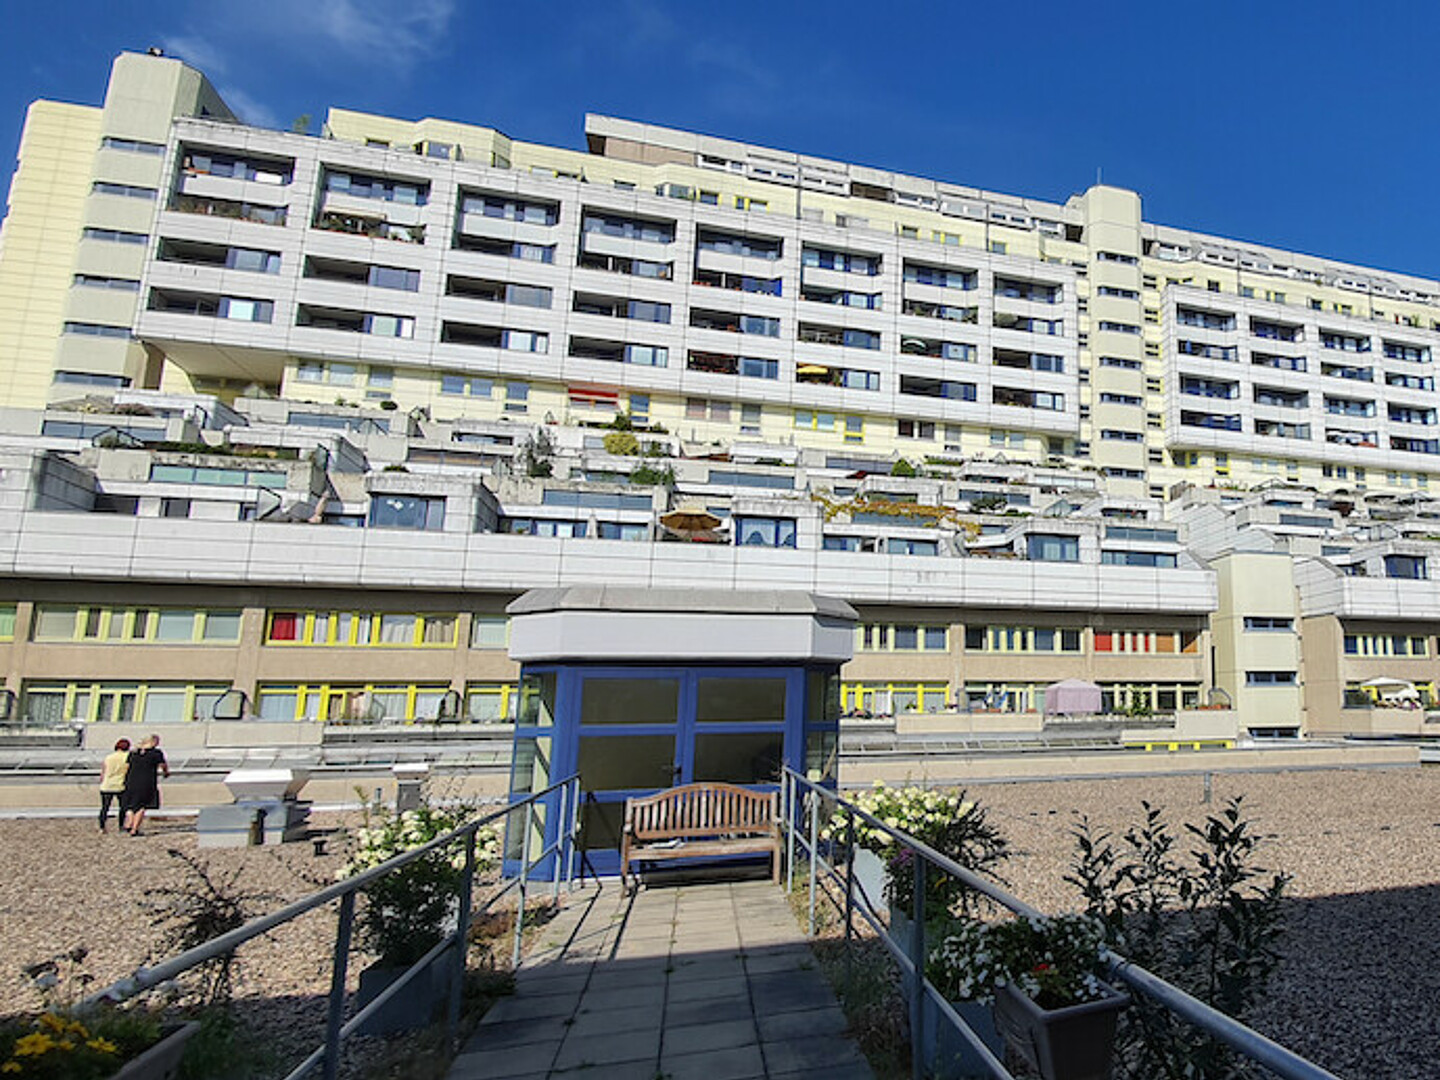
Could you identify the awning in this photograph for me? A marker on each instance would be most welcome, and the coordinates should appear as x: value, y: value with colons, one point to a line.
x: 1387, y: 689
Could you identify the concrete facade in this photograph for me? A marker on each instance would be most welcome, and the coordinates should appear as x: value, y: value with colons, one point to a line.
x: 303, y: 415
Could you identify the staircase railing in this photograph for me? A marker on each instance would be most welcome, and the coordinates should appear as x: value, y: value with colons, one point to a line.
x: 562, y: 850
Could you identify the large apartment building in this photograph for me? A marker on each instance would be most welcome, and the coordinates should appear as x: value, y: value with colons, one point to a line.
x: 263, y: 390
x: 711, y: 287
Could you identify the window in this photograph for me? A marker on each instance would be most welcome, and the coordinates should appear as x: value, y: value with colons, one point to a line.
x: 765, y: 532
x: 261, y: 311
x: 941, y: 276
x: 1022, y: 639
x: 509, y: 249
x: 134, y: 625
x: 1415, y: 645
x: 1268, y: 623
x: 342, y: 629
x: 899, y: 545
x: 118, y: 702
x: 1034, y: 291
x: 466, y: 385
x: 655, y: 232
x: 524, y: 341
x: 915, y: 429
x: 127, y: 191
x: 91, y: 281
x: 1157, y: 559
x: 362, y: 186
x: 845, y: 261
x: 750, y: 247
x: 1269, y: 678
x: 132, y: 146
x: 114, y: 236
x: 1027, y: 399
x: 7, y: 622
x: 1409, y: 567
x: 407, y: 512
x: 96, y: 330
x: 396, y: 326
x: 1044, y: 547
x: 510, y: 208
x: 490, y: 703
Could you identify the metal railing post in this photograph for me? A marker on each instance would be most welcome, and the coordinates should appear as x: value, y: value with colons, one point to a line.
x: 849, y: 896
x: 790, y: 834
x: 917, y: 977
x: 559, y: 844
x: 335, y: 1013
x: 810, y: 801
x: 462, y: 936
x: 573, y: 825
x: 524, y: 883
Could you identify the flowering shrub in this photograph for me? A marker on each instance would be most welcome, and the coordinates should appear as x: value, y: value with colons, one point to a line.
x: 945, y: 821
x: 58, y: 1045
x: 1052, y: 960
x: 407, y: 911
x: 924, y: 813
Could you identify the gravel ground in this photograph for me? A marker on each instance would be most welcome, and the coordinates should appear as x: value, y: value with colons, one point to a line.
x: 66, y: 885
x: 1361, y: 978
x: 1356, y: 993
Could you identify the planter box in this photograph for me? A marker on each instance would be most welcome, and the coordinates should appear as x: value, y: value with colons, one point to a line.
x: 870, y: 875
x: 948, y: 1054
x: 161, y: 1061
x: 416, y: 1006
x: 1073, y: 1043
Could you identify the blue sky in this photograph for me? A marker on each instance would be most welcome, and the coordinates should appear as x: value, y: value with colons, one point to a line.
x: 1302, y: 125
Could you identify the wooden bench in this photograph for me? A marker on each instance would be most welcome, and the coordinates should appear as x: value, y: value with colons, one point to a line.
x: 699, y: 821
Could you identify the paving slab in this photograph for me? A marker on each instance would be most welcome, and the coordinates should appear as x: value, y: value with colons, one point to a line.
x: 736, y: 1063
x: 710, y: 981
x: 699, y: 1038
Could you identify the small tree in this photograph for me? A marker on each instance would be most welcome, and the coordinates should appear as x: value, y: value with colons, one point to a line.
x: 902, y: 468
x: 199, y: 910
x: 536, y: 454
x: 1211, y: 926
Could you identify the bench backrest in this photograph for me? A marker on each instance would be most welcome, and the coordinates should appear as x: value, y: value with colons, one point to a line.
x: 702, y: 810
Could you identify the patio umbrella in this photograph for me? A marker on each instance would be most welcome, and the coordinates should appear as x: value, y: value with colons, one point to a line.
x: 690, y: 518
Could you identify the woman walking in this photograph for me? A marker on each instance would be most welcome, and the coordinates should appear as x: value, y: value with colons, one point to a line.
x: 145, y: 766
x: 112, y: 781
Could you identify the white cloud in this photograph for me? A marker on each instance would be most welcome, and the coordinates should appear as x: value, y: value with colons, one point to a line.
x: 195, y: 51
x: 388, y: 33
x: 247, y: 108
x: 386, y: 37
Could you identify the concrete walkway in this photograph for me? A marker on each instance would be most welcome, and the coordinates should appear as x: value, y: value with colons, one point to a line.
x: 688, y: 982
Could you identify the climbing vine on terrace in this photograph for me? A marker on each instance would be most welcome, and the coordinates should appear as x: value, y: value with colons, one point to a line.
x: 922, y: 513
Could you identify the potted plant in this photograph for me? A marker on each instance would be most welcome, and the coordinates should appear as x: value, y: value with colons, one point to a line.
x: 959, y: 829
x: 1050, y: 1005
x: 944, y: 820
x: 408, y: 911
x: 103, y: 1044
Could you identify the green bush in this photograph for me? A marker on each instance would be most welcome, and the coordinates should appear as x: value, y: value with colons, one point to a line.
x: 1210, y: 924
x: 622, y: 443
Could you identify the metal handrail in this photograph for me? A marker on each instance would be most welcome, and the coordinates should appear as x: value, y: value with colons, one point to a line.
x: 1226, y: 1029
x: 328, y: 1053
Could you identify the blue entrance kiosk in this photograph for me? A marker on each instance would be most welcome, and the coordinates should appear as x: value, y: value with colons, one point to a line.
x: 641, y: 689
